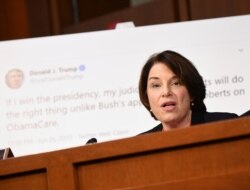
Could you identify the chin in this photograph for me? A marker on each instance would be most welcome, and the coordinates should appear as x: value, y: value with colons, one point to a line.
x: 168, y: 120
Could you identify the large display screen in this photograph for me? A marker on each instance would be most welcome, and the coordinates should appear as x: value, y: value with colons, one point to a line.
x: 58, y: 92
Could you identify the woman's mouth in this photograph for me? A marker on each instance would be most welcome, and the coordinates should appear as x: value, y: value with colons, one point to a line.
x: 168, y: 106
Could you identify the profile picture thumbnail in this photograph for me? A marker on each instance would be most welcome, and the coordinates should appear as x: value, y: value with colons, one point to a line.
x: 14, y: 78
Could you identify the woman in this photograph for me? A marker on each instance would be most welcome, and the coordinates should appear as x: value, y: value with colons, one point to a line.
x: 173, y: 91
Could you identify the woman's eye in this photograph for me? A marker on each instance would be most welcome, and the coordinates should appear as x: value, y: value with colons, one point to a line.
x: 175, y: 83
x: 155, y: 85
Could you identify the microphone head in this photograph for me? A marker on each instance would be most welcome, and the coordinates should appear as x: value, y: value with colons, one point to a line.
x: 91, y: 141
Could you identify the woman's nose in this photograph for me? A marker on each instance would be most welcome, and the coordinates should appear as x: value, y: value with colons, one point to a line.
x: 166, y: 91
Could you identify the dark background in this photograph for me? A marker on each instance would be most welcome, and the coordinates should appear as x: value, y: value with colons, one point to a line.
x: 35, y: 18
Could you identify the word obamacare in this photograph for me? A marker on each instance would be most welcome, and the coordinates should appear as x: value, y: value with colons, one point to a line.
x: 33, y: 125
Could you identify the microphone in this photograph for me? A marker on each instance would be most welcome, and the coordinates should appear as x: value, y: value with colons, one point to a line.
x: 6, y: 153
x: 91, y: 141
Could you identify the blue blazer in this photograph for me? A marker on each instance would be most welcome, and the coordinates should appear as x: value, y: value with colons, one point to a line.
x: 200, y: 118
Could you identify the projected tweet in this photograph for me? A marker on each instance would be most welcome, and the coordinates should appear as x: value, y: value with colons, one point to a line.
x: 225, y: 86
x: 27, y: 113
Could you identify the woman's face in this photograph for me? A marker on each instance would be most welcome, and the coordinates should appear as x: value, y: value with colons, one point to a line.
x: 169, y: 100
